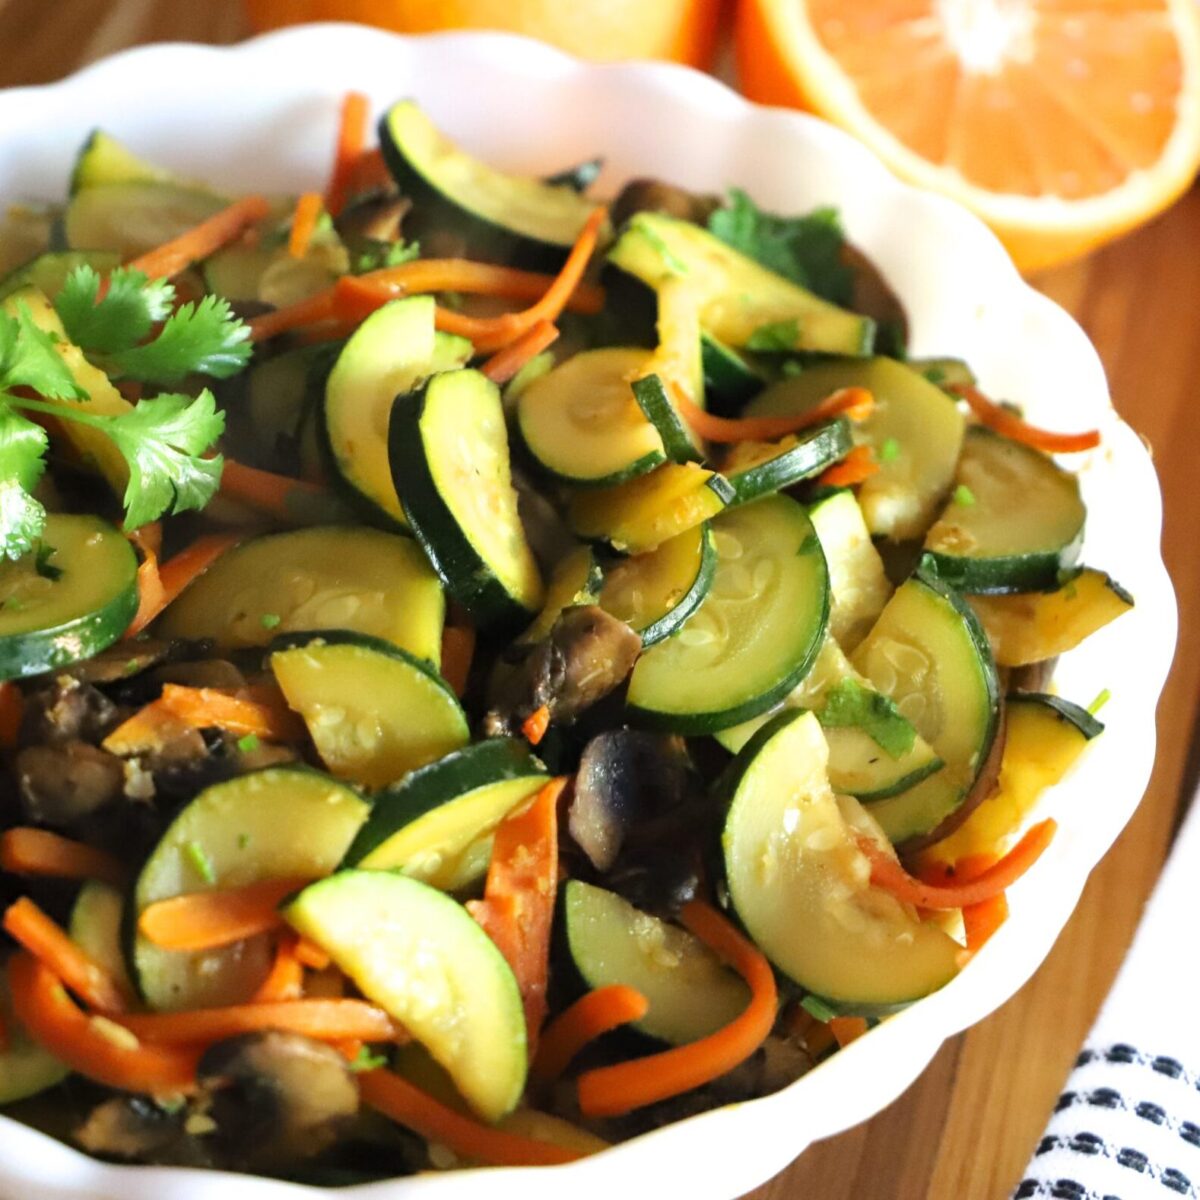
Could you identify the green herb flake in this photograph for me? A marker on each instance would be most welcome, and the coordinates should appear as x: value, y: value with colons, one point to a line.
x: 243, y: 841
x: 131, y: 666
x: 271, y: 620
x: 848, y: 703
x: 1102, y: 698
x: 816, y: 1007
x: 199, y: 861
x: 44, y: 567
x: 964, y: 496
x: 366, y: 1060
x: 935, y: 374
x: 378, y: 255
x: 775, y: 336
x: 670, y: 259
x: 248, y: 744
x: 889, y: 451
x: 791, y: 368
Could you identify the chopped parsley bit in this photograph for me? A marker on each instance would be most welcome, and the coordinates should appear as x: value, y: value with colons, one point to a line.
x: 791, y: 368
x: 248, y: 744
x: 1102, y: 698
x: 44, y: 567
x: 131, y: 665
x: 964, y: 496
x: 816, y: 1007
x: 775, y: 336
x: 935, y: 374
x: 889, y: 451
x: 13, y: 604
x: 243, y: 840
x: 271, y: 620
x: 670, y: 259
x: 366, y: 1061
x: 197, y: 856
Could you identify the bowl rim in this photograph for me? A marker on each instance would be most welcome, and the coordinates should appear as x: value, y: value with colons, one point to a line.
x: 30, y: 1158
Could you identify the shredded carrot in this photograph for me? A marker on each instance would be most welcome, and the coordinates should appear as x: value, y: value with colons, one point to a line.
x: 349, y: 1048
x: 996, y: 416
x: 285, y: 980
x: 590, y: 1016
x: 352, y: 134
x: 858, y: 465
x: 26, y: 851
x: 95, y: 1047
x: 409, y: 1106
x: 12, y: 712
x: 201, y: 240
x: 611, y: 1091
x: 266, y: 491
x: 847, y: 1029
x: 855, y: 402
x: 325, y: 1020
x: 149, y: 582
x: 292, y: 316
x: 179, y: 571
x: 535, y: 725
x: 888, y: 874
x: 147, y: 537
x: 203, y: 708
x: 458, y: 648
x: 981, y: 920
x: 48, y: 942
x: 517, y: 909
x: 311, y: 955
x: 206, y: 920
x: 369, y: 173
x: 304, y: 223
x: 504, y: 364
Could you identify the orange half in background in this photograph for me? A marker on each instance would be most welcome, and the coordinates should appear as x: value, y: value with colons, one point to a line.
x: 1062, y: 123
x: 602, y: 30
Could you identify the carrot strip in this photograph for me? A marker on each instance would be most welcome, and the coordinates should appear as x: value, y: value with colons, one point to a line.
x: 847, y: 1029
x: 304, y: 224
x: 285, y: 980
x: 206, y: 920
x: 148, y: 539
x: 855, y: 402
x: 535, y: 725
x: 292, y: 316
x: 888, y: 874
x: 996, y: 416
x: 352, y: 134
x: 409, y: 1106
x: 205, y: 707
x: 12, y: 712
x: 5, y: 1035
x: 517, y: 909
x: 350, y: 1048
x: 179, y: 571
x: 201, y: 240
x: 504, y: 364
x: 266, y: 491
x: 368, y: 173
x: 325, y: 1020
x: 150, y: 728
x: 458, y: 648
x: 48, y: 942
x: 311, y: 955
x: 858, y: 465
x: 981, y: 920
x: 93, y: 1046
x: 611, y: 1091
x: 26, y: 851
x: 590, y: 1016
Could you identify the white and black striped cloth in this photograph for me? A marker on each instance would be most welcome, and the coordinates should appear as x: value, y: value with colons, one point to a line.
x: 1127, y: 1127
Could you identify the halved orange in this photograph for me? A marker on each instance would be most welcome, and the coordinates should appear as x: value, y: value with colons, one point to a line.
x: 1062, y: 123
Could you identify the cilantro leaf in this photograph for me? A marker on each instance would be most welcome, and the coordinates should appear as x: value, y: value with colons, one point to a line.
x: 29, y: 357
x: 849, y: 703
x: 379, y: 254
x: 126, y: 314
x: 162, y: 439
x: 22, y: 444
x: 807, y: 250
x: 204, y: 338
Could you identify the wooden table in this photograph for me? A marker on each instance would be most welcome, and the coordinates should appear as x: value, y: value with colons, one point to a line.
x: 966, y: 1128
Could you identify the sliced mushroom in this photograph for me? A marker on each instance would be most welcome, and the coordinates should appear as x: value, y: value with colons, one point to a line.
x: 873, y: 297
x: 205, y: 672
x: 371, y: 219
x: 65, y: 783
x: 134, y: 1128
x: 120, y: 661
x: 651, y: 195
x: 275, y: 1098
x: 65, y: 710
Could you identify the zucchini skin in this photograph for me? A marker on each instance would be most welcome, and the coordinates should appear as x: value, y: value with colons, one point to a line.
x: 1065, y: 710
x: 823, y: 446
x: 1003, y: 575
x: 672, y: 621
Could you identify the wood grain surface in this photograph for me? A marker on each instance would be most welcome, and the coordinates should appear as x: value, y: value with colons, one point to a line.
x: 966, y: 1128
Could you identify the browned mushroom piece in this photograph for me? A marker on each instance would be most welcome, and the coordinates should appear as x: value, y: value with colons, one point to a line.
x: 873, y: 297
x: 372, y: 220
x: 65, y: 710
x: 61, y: 784
x: 652, y: 195
x: 134, y: 1128
x: 274, y: 1099
x: 120, y: 661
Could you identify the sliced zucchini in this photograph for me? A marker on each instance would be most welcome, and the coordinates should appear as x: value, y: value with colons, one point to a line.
x: 507, y: 218
x: 1045, y: 735
x: 131, y: 218
x: 642, y: 514
x: 756, y: 634
x: 1013, y: 522
x: 278, y: 823
x: 97, y: 927
x: 104, y: 160
x: 577, y: 579
x: 679, y: 442
x: 583, y: 423
x: 760, y: 468
x: 928, y: 654
x: 374, y: 711
x: 424, y: 824
x: 422, y: 958
x: 67, y: 600
x: 801, y: 886
x: 48, y: 272
x: 857, y: 579
x: 678, y: 356
x: 874, y: 752
x: 25, y: 1068
x: 450, y: 352
x: 270, y: 274
x: 387, y: 356
x: 655, y: 593
x: 329, y: 576
x: 729, y: 380
x: 449, y: 453
x: 915, y: 429
x: 691, y: 993
x: 737, y: 295
x: 1030, y: 628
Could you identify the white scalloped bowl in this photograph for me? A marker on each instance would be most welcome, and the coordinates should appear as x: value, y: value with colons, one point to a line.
x: 262, y: 116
